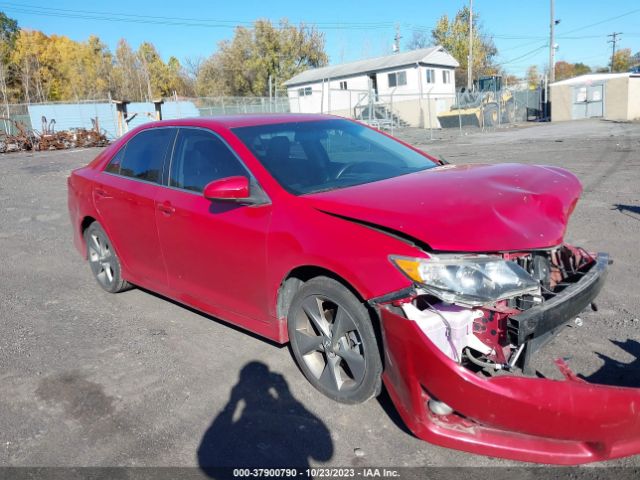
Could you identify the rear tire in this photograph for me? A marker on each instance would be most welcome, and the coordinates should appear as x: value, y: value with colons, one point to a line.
x: 509, y: 112
x: 103, y: 260
x: 333, y: 341
x: 490, y: 115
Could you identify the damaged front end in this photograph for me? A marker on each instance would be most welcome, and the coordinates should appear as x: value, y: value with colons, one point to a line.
x: 456, y: 364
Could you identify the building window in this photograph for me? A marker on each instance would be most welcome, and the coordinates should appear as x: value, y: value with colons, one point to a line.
x: 446, y: 76
x: 397, y: 79
x: 431, y: 75
x: 343, y: 85
x: 304, y: 92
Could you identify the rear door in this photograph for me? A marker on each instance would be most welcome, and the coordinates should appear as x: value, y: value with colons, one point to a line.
x: 215, y: 251
x: 124, y: 196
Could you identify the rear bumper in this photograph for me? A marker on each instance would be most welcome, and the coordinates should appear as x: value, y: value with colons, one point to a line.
x: 521, y: 418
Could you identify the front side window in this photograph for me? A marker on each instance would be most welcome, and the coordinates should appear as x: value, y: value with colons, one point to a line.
x: 144, y: 155
x: 431, y: 75
x: 200, y: 157
x: 446, y: 76
x: 397, y: 79
x: 308, y: 157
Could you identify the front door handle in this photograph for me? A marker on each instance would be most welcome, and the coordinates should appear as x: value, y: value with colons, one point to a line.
x: 166, y: 208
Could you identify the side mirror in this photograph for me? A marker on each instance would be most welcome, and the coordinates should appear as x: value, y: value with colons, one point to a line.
x: 229, y: 188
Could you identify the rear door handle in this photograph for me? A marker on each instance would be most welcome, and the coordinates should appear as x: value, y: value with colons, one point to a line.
x: 166, y: 208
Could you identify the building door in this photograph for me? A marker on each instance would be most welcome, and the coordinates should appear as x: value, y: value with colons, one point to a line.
x: 588, y: 101
x: 595, y: 101
x: 373, y: 85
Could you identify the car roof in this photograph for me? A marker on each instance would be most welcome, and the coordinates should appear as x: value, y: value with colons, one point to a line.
x: 249, y: 120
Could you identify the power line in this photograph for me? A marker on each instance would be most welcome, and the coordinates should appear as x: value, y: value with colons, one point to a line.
x: 525, y: 55
x: 161, y: 20
x: 631, y: 12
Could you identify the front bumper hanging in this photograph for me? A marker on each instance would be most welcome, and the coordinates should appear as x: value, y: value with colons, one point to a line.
x: 522, y: 418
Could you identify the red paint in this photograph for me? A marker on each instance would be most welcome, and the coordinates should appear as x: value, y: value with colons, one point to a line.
x: 229, y: 260
x: 466, y: 208
x: 528, y: 419
x: 231, y: 188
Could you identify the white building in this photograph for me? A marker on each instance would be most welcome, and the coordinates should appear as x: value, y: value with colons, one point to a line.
x: 410, y: 87
x: 612, y: 96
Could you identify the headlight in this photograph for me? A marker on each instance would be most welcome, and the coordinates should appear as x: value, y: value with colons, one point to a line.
x: 468, y: 279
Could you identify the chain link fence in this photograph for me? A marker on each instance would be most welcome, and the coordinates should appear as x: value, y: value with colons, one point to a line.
x: 485, y: 110
x: 59, y: 116
x: 389, y: 111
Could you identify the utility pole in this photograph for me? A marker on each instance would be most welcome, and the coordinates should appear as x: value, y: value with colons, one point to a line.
x: 552, y: 51
x: 396, y: 39
x: 470, y: 58
x: 613, y: 41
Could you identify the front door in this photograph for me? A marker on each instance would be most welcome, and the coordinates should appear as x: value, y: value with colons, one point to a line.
x: 215, y: 251
x: 124, y: 195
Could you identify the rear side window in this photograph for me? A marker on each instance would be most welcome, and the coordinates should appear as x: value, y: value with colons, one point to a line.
x: 116, y: 161
x: 200, y: 157
x: 144, y: 154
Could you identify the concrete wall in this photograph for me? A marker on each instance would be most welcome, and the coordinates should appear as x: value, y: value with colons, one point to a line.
x: 634, y: 99
x: 561, y: 103
x: 616, y: 99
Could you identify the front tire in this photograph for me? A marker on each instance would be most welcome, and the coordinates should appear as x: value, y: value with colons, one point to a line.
x: 103, y: 260
x: 333, y: 341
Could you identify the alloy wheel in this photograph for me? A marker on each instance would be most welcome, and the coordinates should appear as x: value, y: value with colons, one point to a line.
x: 330, y: 344
x: 101, y: 259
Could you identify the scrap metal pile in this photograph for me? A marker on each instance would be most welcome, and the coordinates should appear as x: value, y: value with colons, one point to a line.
x: 26, y: 138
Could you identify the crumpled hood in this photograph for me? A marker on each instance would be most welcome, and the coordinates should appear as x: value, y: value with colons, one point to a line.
x: 466, y: 208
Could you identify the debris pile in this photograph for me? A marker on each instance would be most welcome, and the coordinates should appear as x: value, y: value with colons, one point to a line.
x: 26, y: 138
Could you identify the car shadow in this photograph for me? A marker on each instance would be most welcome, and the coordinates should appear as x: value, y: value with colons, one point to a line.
x: 617, y: 373
x: 627, y: 210
x: 392, y: 412
x: 263, y: 426
x: 230, y: 325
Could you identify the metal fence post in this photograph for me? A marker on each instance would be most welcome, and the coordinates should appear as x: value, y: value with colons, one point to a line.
x: 429, y: 113
x: 459, y: 113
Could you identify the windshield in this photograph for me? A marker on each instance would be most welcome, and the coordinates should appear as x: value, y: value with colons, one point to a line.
x: 308, y: 157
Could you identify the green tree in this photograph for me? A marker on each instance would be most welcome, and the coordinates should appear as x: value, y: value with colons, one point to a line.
x: 419, y: 39
x: 581, y: 69
x: 244, y: 64
x: 533, y: 77
x: 8, y: 80
x: 8, y: 33
x: 453, y: 35
x: 622, y: 60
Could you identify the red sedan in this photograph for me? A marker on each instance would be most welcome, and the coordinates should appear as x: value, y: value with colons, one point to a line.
x: 377, y: 263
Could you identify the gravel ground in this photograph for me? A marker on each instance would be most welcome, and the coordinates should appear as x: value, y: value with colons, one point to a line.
x: 92, y: 379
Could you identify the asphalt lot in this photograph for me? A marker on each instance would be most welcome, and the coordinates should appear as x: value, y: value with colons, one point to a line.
x: 93, y: 379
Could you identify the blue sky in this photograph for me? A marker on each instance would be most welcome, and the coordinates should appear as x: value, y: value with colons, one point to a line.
x: 353, y: 30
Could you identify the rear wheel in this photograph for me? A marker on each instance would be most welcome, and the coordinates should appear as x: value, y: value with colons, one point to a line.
x: 103, y: 260
x: 490, y: 115
x: 333, y: 341
x: 509, y: 112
